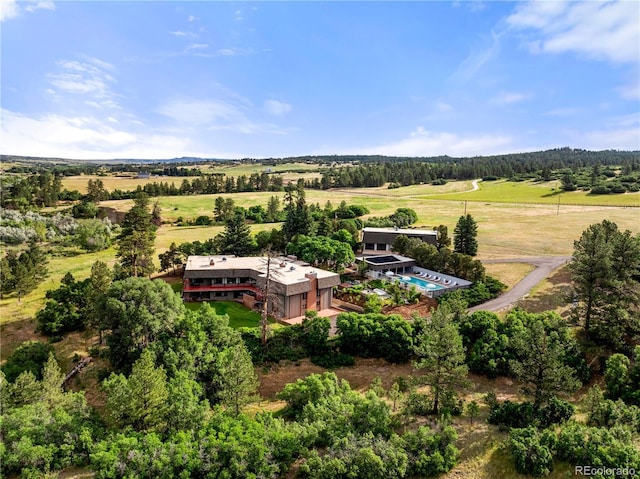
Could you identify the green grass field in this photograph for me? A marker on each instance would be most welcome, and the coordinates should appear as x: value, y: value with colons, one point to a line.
x: 504, y: 191
x: 505, y: 230
x: 288, y: 171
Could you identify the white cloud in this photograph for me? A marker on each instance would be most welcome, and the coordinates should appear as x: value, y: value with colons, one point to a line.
x: 238, y: 16
x: 444, y: 107
x: 40, y: 5
x: 630, y: 92
x: 508, y: 98
x: 277, y: 108
x: 11, y: 8
x: 232, y: 114
x: 178, y: 33
x: 613, y: 139
x: 88, y: 78
x: 8, y: 9
x: 192, y: 18
x: 598, y: 30
x: 87, y: 137
x: 421, y: 142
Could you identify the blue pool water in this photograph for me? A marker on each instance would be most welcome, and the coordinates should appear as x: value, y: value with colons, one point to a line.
x: 421, y: 283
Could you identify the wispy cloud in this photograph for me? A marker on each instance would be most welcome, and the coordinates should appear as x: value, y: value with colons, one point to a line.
x: 192, y: 18
x: 11, y: 8
x: 276, y: 108
x: 508, y: 98
x: 39, y: 5
x: 597, y: 30
x: 478, y: 58
x: 238, y: 17
x: 443, y: 107
x: 90, y: 78
x: 470, y: 5
x: 229, y: 114
x: 631, y: 91
x: 564, y: 111
x: 178, y: 33
x: 421, y: 142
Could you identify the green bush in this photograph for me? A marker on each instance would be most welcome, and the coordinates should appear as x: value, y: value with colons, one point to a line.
x: 611, y: 448
x: 522, y: 415
x: 29, y: 356
x: 532, y: 451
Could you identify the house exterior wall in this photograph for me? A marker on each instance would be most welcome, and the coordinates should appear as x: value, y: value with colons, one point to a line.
x: 293, y: 289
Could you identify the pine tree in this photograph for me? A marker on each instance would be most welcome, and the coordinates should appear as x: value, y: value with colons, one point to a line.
x: 541, y: 364
x: 442, y: 355
x: 238, y: 380
x: 136, y: 240
x: 236, y: 238
x: 465, y: 236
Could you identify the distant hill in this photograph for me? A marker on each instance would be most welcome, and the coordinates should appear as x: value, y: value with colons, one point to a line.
x: 604, y: 156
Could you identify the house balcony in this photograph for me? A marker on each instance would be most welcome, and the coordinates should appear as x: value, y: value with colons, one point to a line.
x: 188, y: 288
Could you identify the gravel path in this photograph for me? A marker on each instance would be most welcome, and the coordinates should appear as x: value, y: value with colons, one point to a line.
x: 543, y: 268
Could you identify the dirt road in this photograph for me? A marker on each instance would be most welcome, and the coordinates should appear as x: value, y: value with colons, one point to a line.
x: 543, y: 268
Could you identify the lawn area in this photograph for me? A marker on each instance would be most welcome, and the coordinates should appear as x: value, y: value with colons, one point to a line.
x: 504, y: 191
x: 239, y: 315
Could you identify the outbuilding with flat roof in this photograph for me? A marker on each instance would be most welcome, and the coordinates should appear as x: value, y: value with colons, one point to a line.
x: 377, y: 241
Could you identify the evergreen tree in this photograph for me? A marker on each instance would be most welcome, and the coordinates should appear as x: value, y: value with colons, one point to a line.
x: 236, y: 238
x: 139, y: 400
x: 605, y: 271
x: 297, y: 218
x: 541, y: 363
x: 465, y: 236
x: 443, y: 239
x: 238, y: 380
x: 442, y: 355
x: 136, y: 240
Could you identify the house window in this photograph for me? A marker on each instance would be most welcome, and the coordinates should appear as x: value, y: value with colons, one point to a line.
x: 381, y: 247
x: 369, y: 246
x: 304, y: 295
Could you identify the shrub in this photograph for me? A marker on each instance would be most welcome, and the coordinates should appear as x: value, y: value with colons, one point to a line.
x: 522, y: 415
x: 532, y: 451
x: 579, y: 444
x: 29, y: 356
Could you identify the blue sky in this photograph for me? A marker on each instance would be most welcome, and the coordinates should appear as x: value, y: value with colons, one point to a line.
x: 100, y: 80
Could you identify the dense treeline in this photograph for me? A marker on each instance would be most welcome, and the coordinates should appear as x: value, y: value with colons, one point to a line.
x: 343, y: 171
x: 546, y: 165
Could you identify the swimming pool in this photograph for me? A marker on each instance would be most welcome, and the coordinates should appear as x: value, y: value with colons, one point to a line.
x: 421, y: 283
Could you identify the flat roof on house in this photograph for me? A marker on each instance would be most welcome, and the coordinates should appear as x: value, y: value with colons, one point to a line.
x: 400, y: 231
x: 283, y: 270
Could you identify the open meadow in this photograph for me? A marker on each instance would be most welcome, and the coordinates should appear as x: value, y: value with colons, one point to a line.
x: 505, y: 230
x: 288, y: 171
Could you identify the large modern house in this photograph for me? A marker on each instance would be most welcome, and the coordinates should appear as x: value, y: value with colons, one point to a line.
x: 378, y: 241
x: 294, y: 286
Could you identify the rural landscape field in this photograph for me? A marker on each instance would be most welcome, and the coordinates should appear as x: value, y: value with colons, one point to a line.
x: 320, y: 240
x: 519, y: 224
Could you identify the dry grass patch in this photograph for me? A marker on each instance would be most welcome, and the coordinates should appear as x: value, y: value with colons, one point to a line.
x: 509, y: 273
x: 552, y: 294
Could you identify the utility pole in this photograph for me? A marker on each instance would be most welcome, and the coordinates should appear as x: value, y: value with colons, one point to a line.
x: 558, y: 211
x: 465, y: 207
